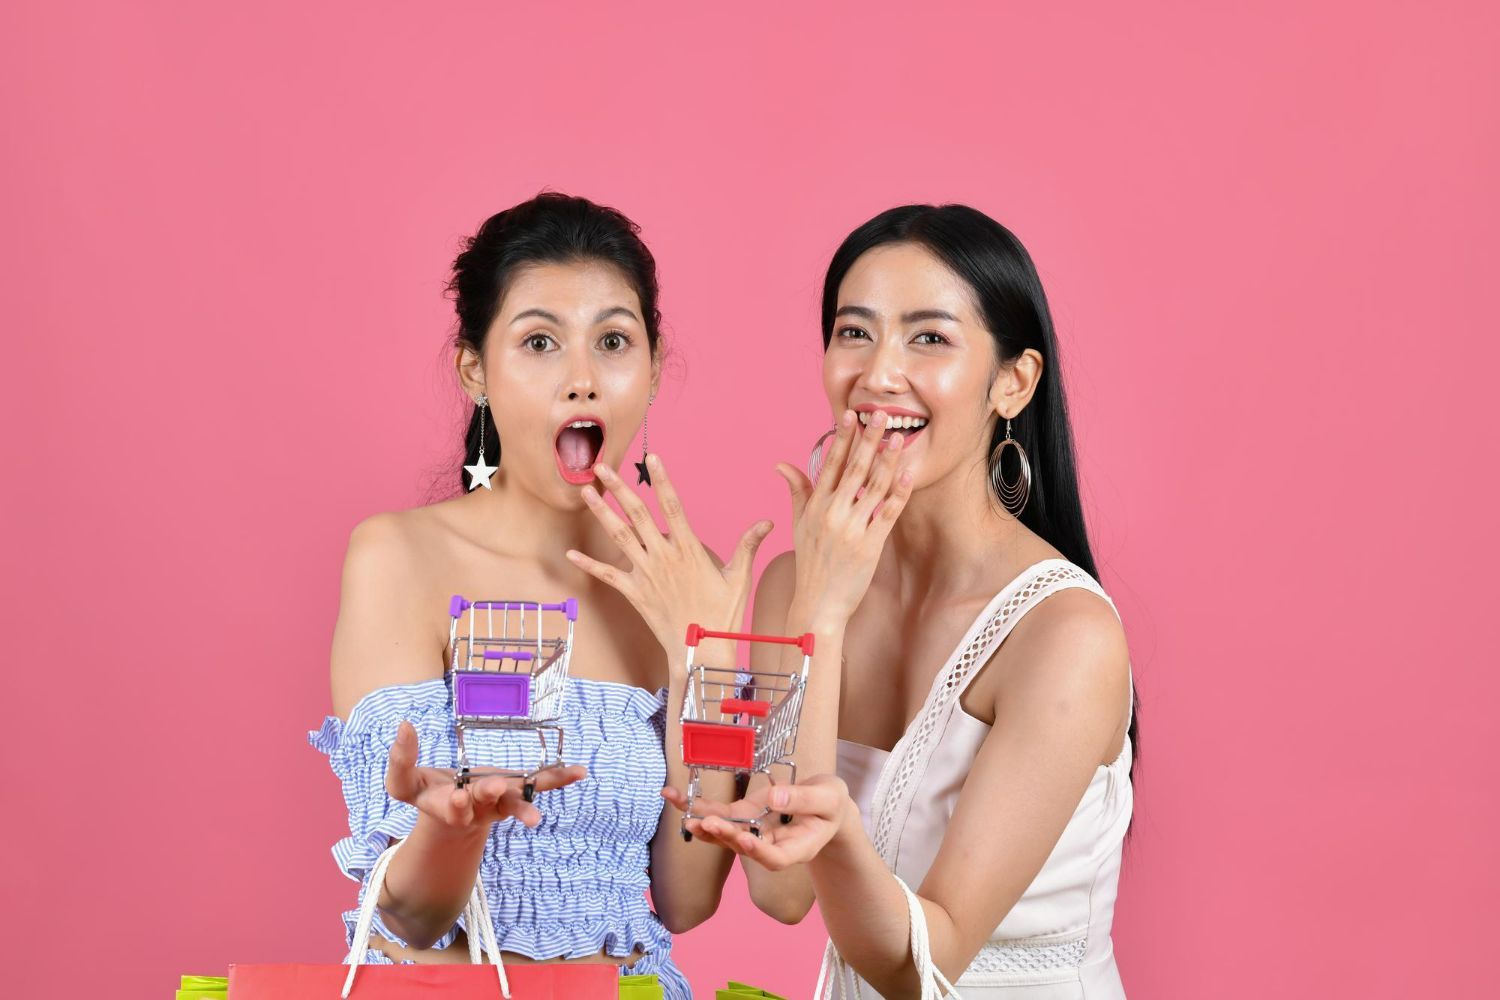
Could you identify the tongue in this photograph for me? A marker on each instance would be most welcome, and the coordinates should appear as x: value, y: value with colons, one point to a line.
x: 576, y: 448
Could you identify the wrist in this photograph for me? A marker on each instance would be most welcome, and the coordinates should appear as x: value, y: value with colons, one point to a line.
x: 448, y: 837
x: 849, y: 829
x: 817, y: 617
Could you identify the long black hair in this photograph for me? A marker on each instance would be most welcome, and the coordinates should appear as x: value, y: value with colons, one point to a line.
x: 549, y: 229
x: 1004, y: 282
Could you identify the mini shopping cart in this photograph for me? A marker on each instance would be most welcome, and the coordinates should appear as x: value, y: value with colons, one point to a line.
x: 504, y: 679
x: 744, y: 722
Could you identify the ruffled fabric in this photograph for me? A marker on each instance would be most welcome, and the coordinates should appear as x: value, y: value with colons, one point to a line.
x: 573, y: 886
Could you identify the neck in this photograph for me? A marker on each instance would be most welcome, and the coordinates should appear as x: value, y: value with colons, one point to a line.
x: 529, y: 527
x: 950, y: 538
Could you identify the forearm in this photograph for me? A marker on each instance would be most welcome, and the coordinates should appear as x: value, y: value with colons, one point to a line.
x: 866, y: 913
x: 430, y: 880
x: 787, y: 895
x: 687, y: 877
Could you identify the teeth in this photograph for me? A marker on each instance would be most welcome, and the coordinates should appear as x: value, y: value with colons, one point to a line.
x: 895, y: 423
x: 583, y: 423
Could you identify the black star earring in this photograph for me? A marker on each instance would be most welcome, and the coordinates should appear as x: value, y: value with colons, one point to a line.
x: 640, y: 467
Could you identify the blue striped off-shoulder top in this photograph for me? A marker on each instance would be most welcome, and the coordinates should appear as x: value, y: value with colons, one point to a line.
x: 573, y: 886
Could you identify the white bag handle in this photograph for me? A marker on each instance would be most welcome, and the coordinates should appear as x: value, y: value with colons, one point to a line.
x: 931, y: 979
x: 476, y: 919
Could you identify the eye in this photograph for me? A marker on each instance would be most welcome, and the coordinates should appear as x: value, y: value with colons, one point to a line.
x: 538, y: 343
x: 851, y: 333
x: 614, y: 341
x: 930, y: 337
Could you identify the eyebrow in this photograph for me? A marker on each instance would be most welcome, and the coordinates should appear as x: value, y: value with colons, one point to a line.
x: 922, y: 315
x: 615, y: 311
x: 863, y: 312
x: 542, y: 313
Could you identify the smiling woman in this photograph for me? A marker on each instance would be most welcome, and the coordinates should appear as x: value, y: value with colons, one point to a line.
x: 968, y: 722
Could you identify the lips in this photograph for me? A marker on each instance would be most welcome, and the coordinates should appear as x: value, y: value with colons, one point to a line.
x: 578, y: 448
x: 908, y: 434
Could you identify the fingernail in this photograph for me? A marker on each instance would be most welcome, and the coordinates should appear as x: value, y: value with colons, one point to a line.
x: 896, y: 440
x: 590, y: 494
x: 779, y: 797
x: 653, y: 461
x: 847, y: 418
x: 572, y: 554
x: 905, y: 477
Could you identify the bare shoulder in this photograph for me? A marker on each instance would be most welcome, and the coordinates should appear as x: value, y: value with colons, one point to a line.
x: 773, y: 595
x: 1072, y: 620
x: 1067, y: 657
x: 382, y: 541
x: 381, y: 636
x: 780, y: 573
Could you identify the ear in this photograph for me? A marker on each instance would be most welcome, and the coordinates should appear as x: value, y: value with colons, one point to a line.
x: 1016, y: 383
x: 655, y: 373
x: 470, y: 370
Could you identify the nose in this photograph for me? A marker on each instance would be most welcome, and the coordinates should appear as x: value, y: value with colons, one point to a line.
x: 580, y: 383
x: 885, y: 372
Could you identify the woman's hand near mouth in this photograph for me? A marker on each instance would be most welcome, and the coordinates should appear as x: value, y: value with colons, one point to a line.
x: 674, y: 581
x: 840, y: 524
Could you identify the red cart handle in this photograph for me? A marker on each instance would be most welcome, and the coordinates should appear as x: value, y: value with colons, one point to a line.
x: 745, y: 706
x: 697, y: 633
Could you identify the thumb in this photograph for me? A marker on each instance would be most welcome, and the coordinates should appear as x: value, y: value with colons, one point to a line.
x: 401, y: 766
x: 813, y: 798
x: 798, y: 485
x: 744, y: 553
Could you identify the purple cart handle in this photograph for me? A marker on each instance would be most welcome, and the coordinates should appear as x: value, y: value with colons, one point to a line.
x: 500, y: 654
x: 458, y: 606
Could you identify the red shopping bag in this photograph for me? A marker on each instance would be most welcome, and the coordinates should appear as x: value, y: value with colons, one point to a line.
x: 397, y: 982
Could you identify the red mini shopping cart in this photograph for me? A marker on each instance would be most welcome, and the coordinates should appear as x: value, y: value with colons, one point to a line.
x: 504, y: 676
x: 740, y: 721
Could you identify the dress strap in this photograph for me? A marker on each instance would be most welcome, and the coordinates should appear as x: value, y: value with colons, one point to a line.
x: 900, y: 778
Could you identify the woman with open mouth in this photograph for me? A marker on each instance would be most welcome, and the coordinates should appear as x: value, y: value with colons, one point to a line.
x: 969, y: 724
x: 559, y: 350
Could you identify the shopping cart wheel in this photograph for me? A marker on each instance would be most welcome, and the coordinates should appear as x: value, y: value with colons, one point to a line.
x: 528, y: 791
x: 755, y: 830
x: 785, y: 818
x: 687, y: 836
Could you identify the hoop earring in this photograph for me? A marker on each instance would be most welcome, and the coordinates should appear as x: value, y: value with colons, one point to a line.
x: 640, y: 467
x: 815, y: 460
x: 481, y: 471
x: 1013, y: 496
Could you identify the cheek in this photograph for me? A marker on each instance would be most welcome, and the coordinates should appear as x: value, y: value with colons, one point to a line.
x: 625, y: 383
x: 519, y: 406
x: 839, y: 375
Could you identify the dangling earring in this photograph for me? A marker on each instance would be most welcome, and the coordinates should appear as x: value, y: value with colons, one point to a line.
x: 481, y: 471
x: 640, y: 467
x: 815, y: 460
x: 1013, y: 496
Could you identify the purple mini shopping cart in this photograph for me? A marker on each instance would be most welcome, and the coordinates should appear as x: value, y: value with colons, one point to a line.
x: 505, y: 678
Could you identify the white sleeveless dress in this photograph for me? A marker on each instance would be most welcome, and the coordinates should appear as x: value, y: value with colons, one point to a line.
x: 1054, y: 944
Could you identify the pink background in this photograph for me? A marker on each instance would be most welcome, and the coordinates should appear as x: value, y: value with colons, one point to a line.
x: 1269, y: 238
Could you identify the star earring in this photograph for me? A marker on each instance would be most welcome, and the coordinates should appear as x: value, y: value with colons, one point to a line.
x: 481, y: 471
x: 640, y: 467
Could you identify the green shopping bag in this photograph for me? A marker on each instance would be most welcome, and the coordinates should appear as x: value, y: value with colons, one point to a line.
x: 203, y: 988
x: 640, y: 988
x: 744, y: 991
